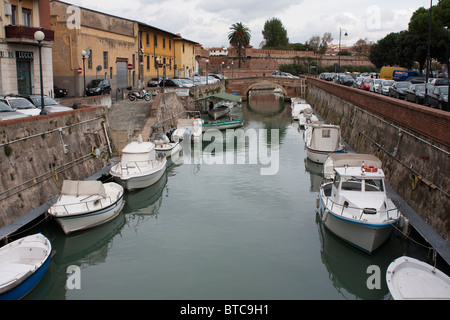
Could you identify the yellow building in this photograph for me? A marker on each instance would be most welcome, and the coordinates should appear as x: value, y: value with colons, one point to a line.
x: 110, y: 41
x: 164, y: 53
x: 126, y: 52
x: 184, y: 57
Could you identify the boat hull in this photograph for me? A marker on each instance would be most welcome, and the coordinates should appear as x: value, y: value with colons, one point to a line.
x: 218, y: 113
x: 319, y: 156
x: 168, y: 148
x: 141, y: 181
x: 365, y: 236
x: 89, y: 220
x: 23, y: 285
x: 222, y: 125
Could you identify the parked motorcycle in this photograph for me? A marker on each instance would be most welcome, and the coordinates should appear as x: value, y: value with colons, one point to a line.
x: 135, y: 95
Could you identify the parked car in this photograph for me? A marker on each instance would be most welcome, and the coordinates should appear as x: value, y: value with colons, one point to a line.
x: 365, y: 84
x: 416, y: 80
x: 50, y: 105
x: 416, y: 93
x: 284, y: 74
x: 437, y: 97
x: 398, y: 89
x: 8, y: 113
x: 327, y: 76
x: 439, y: 82
x: 344, y: 79
x: 170, y: 83
x: 59, y: 92
x: 384, y: 87
x: 374, y: 84
x: 217, y: 76
x: 153, y: 82
x: 21, y: 105
x: 97, y: 87
x: 358, y: 82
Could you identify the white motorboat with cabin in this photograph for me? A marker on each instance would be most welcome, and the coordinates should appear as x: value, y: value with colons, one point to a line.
x: 321, y: 140
x: 307, y: 117
x: 411, y: 279
x: 355, y: 206
x: 23, y: 263
x: 188, y: 129
x: 298, y: 105
x: 139, y: 165
x: 86, y: 204
x: 165, y: 146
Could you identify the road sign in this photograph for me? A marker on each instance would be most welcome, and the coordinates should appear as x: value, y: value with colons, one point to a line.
x: 80, y: 70
x: 129, y: 66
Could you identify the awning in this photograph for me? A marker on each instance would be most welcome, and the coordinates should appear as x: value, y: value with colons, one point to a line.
x: 223, y: 96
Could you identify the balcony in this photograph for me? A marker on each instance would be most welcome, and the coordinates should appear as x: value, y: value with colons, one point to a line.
x: 24, y: 34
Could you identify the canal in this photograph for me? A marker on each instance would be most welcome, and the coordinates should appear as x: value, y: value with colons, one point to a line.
x: 227, y: 223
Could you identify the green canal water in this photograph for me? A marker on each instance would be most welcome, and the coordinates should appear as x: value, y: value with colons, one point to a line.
x: 222, y: 231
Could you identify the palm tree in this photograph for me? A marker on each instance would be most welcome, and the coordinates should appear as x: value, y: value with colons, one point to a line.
x: 239, y: 37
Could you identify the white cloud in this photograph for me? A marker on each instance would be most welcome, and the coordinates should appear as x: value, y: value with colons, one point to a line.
x: 208, y: 22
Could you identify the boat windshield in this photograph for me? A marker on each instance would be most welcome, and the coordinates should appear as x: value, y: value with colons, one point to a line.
x: 357, y: 184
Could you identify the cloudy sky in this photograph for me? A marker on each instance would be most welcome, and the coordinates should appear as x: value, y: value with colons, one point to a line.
x: 208, y: 22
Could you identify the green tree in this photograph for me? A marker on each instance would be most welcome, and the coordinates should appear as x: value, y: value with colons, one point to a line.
x: 275, y: 35
x: 239, y: 37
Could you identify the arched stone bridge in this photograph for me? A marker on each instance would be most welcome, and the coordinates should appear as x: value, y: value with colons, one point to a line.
x: 290, y: 87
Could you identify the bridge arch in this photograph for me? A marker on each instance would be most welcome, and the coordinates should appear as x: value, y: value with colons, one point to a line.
x: 264, y: 85
x: 289, y: 87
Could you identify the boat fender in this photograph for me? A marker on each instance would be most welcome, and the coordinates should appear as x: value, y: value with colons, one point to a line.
x: 325, y: 215
x: 317, y: 202
x: 404, y: 225
x: 96, y: 152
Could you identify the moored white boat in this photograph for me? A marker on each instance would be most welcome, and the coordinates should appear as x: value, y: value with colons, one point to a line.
x: 139, y: 166
x: 410, y: 279
x: 297, y: 107
x: 188, y: 129
x: 321, y: 140
x: 307, y: 117
x: 86, y: 204
x: 219, y: 111
x: 23, y: 263
x: 355, y: 207
x: 165, y: 146
x: 222, y: 125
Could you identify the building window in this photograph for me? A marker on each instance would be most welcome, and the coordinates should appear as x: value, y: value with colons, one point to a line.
x: 170, y: 44
x: 148, y: 62
x: 147, y: 39
x: 105, y: 60
x: 164, y: 43
x: 13, y: 15
x: 183, y: 47
x: 89, y: 61
x: 26, y: 17
x: 155, y: 41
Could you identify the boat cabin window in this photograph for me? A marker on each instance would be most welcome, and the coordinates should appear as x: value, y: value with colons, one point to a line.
x: 374, y: 185
x: 351, y: 184
x: 326, y: 133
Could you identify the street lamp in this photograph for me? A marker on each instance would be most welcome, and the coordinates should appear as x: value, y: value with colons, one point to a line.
x: 339, y: 53
x: 39, y: 36
x: 84, y: 55
x: 207, y: 61
x: 157, y: 68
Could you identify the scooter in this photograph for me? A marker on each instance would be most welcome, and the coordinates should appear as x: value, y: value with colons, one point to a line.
x: 135, y: 95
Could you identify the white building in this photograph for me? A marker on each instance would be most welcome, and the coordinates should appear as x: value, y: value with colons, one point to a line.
x: 19, y: 51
